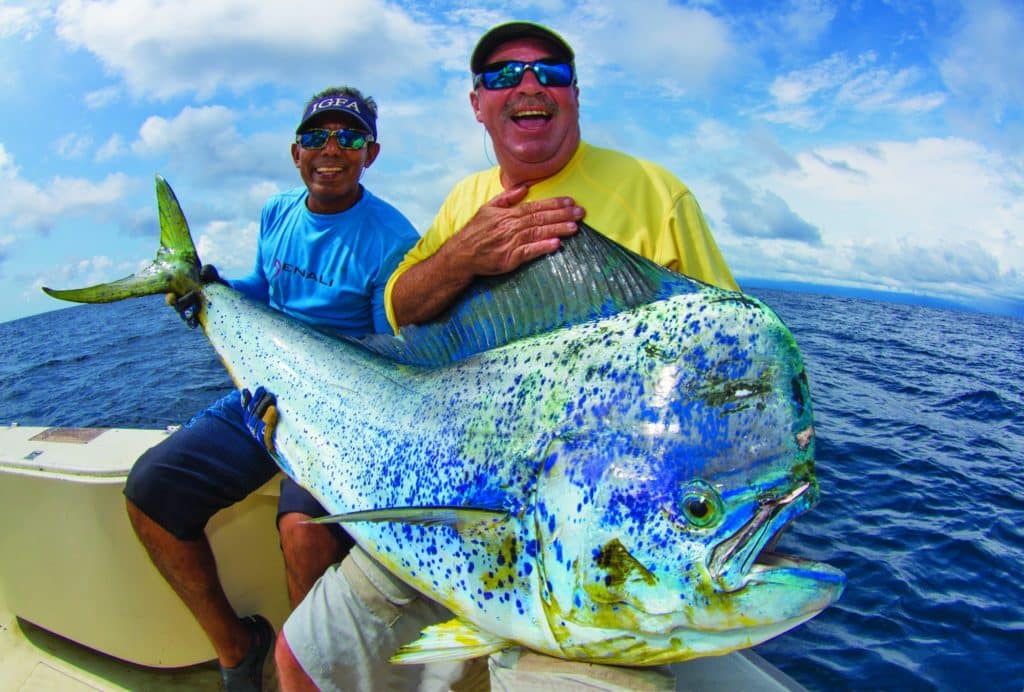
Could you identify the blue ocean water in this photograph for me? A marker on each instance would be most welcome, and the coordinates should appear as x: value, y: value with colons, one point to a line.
x: 920, y: 421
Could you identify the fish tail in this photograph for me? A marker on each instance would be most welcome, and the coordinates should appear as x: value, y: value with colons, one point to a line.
x: 175, y: 269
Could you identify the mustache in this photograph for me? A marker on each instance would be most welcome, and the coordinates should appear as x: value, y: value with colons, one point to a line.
x: 531, y: 102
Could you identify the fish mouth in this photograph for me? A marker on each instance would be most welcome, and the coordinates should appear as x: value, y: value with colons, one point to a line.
x: 769, y: 588
x: 746, y: 556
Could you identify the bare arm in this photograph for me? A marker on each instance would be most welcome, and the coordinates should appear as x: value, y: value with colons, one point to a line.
x: 501, y: 236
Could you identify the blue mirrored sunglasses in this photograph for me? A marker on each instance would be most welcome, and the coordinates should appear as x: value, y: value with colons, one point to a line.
x: 505, y: 75
x: 347, y: 139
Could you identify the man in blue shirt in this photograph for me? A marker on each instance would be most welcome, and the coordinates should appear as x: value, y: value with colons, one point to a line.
x: 324, y: 256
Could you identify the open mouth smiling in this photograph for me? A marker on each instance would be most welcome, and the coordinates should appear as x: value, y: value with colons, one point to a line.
x: 532, y: 110
x: 531, y: 115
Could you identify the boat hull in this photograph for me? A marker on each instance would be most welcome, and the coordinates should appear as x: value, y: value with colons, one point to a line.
x: 71, y: 564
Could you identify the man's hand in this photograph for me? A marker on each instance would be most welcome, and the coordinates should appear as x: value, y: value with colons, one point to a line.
x: 261, y: 417
x: 188, y: 305
x: 502, y: 236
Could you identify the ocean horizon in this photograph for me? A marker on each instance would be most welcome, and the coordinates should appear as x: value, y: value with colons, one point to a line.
x: 1002, y: 307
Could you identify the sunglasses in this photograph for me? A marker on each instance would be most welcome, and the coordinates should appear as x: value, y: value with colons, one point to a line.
x: 505, y: 75
x: 347, y: 139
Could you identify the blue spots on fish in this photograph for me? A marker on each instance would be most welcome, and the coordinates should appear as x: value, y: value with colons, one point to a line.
x: 607, y: 402
x: 532, y: 548
x: 550, y: 462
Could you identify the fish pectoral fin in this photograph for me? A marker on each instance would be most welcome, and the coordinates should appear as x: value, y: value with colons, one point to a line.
x: 454, y: 640
x: 459, y: 518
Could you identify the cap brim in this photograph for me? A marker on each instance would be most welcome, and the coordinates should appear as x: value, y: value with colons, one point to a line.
x: 510, y: 31
x: 347, y: 114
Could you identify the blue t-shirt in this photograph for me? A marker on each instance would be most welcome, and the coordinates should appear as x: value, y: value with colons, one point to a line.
x: 328, y: 270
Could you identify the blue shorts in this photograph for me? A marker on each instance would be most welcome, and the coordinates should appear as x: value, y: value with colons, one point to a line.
x: 210, y: 463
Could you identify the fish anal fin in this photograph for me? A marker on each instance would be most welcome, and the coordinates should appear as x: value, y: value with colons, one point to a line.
x: 454, y: 640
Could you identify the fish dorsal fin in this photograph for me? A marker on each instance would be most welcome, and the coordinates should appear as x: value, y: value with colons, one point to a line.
x: 591, y: 277
x: 454, y: 640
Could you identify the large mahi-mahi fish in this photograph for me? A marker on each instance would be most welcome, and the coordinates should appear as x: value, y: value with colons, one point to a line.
x: 587, y: 457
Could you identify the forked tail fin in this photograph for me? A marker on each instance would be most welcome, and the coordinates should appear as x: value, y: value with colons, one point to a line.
x: 175, y: 269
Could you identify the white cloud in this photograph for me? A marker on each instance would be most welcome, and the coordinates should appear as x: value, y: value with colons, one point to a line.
x: 957, y: 263
x: 22, y: 20
x: 763, y: 214
x: 259, y: 192
x: 908, y: 215
x: 26, y: 205
x: 81, y: 193
x: 6, y: 241
x: 881, y: 89
x: 113, y: 147
x: 95, y: 265
x: 427, y: 145
x: 205, y: 142
x: 84, y: 271
x: 810, y: 97
x: 793, y: 91
x: 102, y: 97
x: 804, y: 21
x: 985, y: 58
x: 229, y: 245
x: 163, y: 135
x: 73, y: 145
x: 866, y: 149
x: 195, y: 46
x: 7, y: 167
x: 686, y: 47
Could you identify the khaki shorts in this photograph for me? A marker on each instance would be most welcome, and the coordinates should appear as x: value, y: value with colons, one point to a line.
x: 352, y: 621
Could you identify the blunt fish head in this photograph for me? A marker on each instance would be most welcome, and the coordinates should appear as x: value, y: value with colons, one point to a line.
x: 658, y: 505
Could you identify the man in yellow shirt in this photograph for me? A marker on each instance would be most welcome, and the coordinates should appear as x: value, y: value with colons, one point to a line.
x: 525, y: 94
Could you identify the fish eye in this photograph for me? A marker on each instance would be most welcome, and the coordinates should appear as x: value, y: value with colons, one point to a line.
x: 701, y: 505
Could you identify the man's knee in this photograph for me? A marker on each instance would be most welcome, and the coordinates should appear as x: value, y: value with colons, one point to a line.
x: 153, y: 501
x: 299, y: 538
x: 308, y: 549
x: 290, y: 673
x: 156, y: 539
x: 193, y: 474
x: 136, y: 517
x: 145, y: 478
x: 159, y: 492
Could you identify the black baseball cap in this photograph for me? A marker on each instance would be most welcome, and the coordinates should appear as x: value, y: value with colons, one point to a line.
x: 502, y: 33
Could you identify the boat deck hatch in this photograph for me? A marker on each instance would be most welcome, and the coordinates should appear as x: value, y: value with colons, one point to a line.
x: 72, y: 435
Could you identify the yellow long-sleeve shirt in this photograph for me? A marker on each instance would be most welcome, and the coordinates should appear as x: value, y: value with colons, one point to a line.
x: 639, y: 204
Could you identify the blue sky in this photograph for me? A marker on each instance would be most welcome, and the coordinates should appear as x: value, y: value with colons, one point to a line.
x: 867, y: 145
